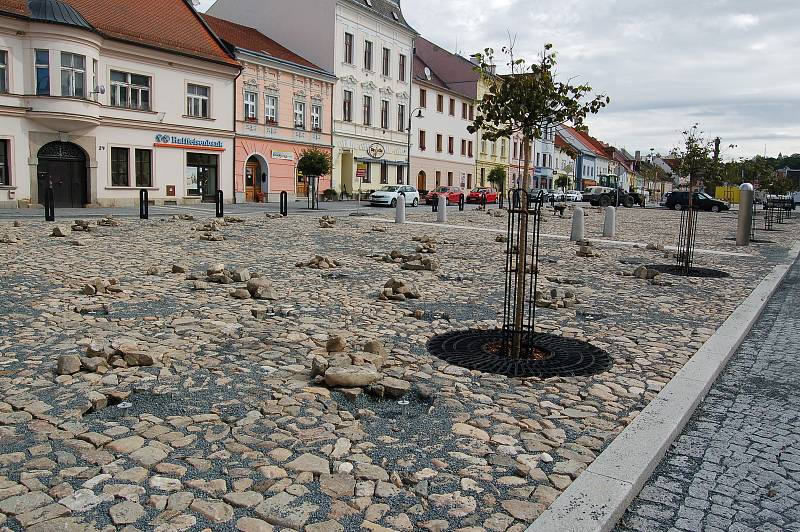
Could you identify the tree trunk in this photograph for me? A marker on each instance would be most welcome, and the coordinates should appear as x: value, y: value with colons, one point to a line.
x: 527, y: 183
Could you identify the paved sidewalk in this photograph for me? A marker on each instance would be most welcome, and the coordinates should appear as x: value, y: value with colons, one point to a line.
x: 736, y: 467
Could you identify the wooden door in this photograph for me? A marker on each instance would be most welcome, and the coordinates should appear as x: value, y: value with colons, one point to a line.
x: 252, y: 182
x: 422, y: 181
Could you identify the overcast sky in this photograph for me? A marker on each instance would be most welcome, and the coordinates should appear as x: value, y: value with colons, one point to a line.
x: 730, y: 65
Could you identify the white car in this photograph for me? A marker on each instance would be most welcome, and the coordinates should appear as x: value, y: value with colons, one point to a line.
x: 573, y: 195
x: 388, y: 195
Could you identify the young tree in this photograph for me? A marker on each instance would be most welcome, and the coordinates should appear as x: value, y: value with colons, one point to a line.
x: 562, y: 181
x: 529, y: 100
x: 314, y: 163
x: 497, y: 176
x: 697, y: 161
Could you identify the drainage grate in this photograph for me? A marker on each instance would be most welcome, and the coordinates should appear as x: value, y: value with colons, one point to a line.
x: 671, y: 269
x: 552, y: 356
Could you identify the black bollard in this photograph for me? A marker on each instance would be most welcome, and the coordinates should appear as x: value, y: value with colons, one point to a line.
x: 284, y: 204
x: 220, y: 207
x: 461, y: 202
x: 49, y: 205
x: 144, y: 204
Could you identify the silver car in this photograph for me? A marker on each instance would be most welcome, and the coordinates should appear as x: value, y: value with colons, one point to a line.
x: 388, y: 195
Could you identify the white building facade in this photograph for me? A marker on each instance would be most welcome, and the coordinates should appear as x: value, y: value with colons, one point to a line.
x: 369, y: 47
x: 99, y: 117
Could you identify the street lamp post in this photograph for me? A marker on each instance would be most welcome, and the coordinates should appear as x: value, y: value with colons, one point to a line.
x: 418, y: 112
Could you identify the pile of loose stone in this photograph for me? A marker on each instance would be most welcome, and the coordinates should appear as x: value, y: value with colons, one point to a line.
x: 586, y: 249
x: 357, y: 371
x: 327, y: 222
x: 9, y: 239
x: 318, y: 262
x: 99, y: 286
x: 101, y: 356
x: 411, y: 261
x: 398, y: 290
x: 108, y: 221
x: 427, y: 244
x: 556, y: 299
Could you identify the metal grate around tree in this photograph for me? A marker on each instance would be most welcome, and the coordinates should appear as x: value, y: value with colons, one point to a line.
x: 516, y: 349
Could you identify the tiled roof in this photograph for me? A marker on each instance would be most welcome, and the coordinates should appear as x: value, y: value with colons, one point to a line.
x: 171, y: 25
x: 253, y: 40
x: 454, y: 71
x: 387, y: 9
x: 419, y: 74
x: 561, y: 143
x: 584, y: 144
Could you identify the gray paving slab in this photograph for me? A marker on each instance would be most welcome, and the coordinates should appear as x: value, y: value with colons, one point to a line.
x: 736, y: 466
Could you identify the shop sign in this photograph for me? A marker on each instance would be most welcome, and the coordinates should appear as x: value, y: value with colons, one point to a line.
x: 361, y: 170
x: 177, y: 141
x: 376, y: 151
x: 283, y: 155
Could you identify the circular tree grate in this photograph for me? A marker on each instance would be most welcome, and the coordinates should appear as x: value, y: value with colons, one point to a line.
x: 671, y: 269
x: 555, y: 356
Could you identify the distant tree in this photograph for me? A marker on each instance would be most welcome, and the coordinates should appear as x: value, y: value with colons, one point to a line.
x: 314, y: 162
x: 497, y: 177
x: 529, y: 100
x: 562, y: 181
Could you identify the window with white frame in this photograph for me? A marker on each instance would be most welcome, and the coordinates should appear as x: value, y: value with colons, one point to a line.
x: 120, y: 167
x: 401, y: 68
x: 42, y: 64
x: 271, y: 109
x: 387, y: 62
x: 5, y: 153
x: 73, y: 75
x: 316, y: 117
x: 3, y: 71
x: 143, y: 166
x: 348, y: 48
x: 347, y: 106
x: 300, y: 115
x: 401, y: 117
x: 368, y: 55
x: 130, y: 91
x: 367, y: 110
x: 251, y: 106
x: 385, y: 114
x: 197, y: 100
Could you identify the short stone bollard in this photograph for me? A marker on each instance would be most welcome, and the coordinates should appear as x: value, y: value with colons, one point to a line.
x: 441, y: 214
x: 746, y: 208
x: 577, y: 225
x: 610, y: 223
x: 400, y: 210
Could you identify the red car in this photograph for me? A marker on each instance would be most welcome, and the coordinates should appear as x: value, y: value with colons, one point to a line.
x: 452, y: 193
x: 476, y: 194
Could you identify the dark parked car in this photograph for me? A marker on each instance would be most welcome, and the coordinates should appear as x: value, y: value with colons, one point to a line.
x: 700, y: 200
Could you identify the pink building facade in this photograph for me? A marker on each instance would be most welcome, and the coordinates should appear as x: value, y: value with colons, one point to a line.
x: 283, y: 106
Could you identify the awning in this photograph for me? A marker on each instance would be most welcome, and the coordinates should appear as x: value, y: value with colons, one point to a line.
x: 370, y: 160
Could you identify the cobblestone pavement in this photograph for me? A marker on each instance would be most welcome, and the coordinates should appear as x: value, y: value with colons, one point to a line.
x: 146, y: 383
x: 736, y: 466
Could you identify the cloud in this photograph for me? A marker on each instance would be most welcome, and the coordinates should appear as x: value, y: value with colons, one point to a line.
x: 666, y: 65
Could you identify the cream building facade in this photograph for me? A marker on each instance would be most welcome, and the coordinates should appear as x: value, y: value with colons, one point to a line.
x: 368, y: 46
x: 99, y: 115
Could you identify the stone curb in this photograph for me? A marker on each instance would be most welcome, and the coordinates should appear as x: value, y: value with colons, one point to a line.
x: 600, y: 495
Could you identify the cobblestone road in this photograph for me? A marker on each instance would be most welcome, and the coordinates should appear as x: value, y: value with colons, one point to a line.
x: 736, y: 466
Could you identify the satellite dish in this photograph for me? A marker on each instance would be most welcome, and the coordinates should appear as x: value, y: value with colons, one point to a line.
x: 428, y: 73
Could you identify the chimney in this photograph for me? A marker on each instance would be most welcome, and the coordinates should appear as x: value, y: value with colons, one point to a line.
x: 638, y: 156
x: 473, y: 59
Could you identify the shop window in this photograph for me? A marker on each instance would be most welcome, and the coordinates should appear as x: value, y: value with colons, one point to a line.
x: 130, y: 91
x: 201, y: 175
x: 197, y: 100
x: 300, y: 115
x: 348, y: 48
x: 144, y: 168
x: 384, y: 174
x: 365, y: 170
x: 3, y: 71
x: 251, y: 106
x: 347, y: 106
x: 43, y: 72
x: 120, y: 160
x: 401, y: 175
x: 5, y: 172
x: 271, y: 110
x: 73, y: 75
x: 316, y: 118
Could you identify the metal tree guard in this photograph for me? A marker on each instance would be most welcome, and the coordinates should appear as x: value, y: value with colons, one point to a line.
x: 687, y: 239
x: 522, y: 272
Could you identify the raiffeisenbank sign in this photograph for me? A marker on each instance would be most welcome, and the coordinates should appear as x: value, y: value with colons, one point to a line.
x: 177, y: 141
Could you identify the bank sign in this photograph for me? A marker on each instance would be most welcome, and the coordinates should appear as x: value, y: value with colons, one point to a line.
x: 176, y: 141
